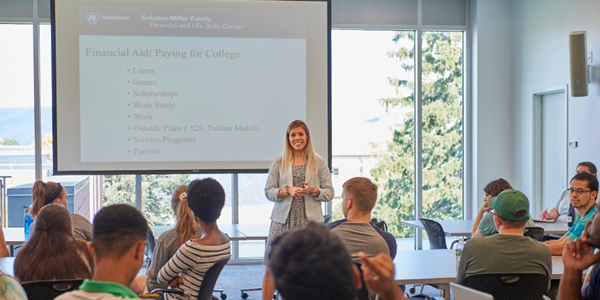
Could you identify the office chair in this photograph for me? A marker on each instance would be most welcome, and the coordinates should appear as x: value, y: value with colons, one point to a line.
x: 510, y: 286
x: 536, y: 233
x: 208, y: 283
x: 49, y: 289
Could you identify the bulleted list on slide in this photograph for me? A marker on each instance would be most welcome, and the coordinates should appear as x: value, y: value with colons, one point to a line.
x: 186, y: 96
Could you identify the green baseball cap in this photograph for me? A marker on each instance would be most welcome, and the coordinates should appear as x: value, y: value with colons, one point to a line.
x: 509, y: 203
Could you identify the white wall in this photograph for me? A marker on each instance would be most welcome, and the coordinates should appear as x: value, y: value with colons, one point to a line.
x: 540, y: 30
x: 492, y: 105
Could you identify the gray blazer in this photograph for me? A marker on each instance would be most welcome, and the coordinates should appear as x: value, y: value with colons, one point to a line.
x: 278, y: 179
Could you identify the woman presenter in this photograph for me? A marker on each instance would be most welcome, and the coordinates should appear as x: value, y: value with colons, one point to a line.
x: 298, y: 182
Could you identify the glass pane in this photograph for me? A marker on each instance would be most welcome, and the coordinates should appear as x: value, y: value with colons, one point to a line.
x: 17, y: 156
x: 442, y: 132
x: 46, y: 99
x: 254, y: 208
x: 372, y: 111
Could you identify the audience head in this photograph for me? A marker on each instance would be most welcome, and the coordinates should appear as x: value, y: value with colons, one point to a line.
x: 206, y: 198
x: 511, y: 207
x: 186, y: 226
x: 495, y: 187
x: 584, y: 188
x: 46, y: 193
x: 120, y: 234
x: 52, y: 247
x: 586, y: 166
x: 360, y: 194
x: 594, y: 229
x: 312, y: 263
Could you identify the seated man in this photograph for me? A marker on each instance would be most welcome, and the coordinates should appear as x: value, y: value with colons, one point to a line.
x: 508, y: 251
x: 561, y: 208
x: 578, y: 256
x: 357, y: 231
x: 118, y: 246
x: 313, y: 263
x: 584, y: 190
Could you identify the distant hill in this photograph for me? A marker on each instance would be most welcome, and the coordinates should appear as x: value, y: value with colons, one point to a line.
x: 17, y: 123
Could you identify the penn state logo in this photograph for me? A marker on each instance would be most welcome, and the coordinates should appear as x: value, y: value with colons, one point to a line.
x: 93, y: 18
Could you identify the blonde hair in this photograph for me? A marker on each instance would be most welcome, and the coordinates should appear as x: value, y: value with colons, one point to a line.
x: 308, y: 154
x: 186, y: 226
x: 41, y: 192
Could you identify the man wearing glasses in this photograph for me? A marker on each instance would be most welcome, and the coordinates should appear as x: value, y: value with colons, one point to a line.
x: 584, y: 190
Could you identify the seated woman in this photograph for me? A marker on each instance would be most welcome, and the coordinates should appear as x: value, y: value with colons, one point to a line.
x: 52, y: 192
x: 186, y: 269
x: 484, y: 222
x: 168, y: 242
x: 52, y: 251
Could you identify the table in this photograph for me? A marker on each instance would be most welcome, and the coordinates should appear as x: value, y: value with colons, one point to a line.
x: 14, y: 236
x: 7, y: 265
x: 236, y: 232
x: 464, y: 227
x: 439, y: 267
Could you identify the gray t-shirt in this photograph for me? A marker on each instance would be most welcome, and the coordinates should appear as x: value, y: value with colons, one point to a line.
x: 166, y: 246
x: 363, y: 237
x: 504, y: 254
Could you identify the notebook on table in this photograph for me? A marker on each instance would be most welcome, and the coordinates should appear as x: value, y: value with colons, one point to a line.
x: 462, y: 292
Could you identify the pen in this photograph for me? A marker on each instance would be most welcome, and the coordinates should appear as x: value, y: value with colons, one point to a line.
x: 544, y: 214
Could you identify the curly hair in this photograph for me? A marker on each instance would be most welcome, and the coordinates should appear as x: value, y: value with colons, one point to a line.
x: 206, y: 198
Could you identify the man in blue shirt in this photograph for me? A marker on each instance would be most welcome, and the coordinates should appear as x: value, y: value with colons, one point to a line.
x: 584, y: 190
x: 578, y: 256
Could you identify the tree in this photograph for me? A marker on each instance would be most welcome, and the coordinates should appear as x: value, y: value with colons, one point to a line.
x: 156, y: 194
x: 9, y: 142
x: 442, y: 150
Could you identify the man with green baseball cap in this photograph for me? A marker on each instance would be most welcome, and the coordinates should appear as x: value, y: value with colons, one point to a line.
x: 508, y: 252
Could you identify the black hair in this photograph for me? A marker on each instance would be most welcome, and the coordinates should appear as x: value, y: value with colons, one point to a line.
x: 591, y: 180
x: 589, y: 165
x: 312, y: 263
x: 116, y: 229
x: 206, y: 198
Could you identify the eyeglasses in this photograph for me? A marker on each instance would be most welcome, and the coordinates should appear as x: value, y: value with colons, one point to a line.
x: 578, y: 191
x: 492, y: 212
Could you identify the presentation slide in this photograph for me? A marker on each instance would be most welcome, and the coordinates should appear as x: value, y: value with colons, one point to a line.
x: 198, y: 86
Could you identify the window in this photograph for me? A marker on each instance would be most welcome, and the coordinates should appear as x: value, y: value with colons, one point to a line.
x: 374, y: 94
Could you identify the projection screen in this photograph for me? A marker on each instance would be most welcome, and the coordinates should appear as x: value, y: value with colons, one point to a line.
x: 186, y: 86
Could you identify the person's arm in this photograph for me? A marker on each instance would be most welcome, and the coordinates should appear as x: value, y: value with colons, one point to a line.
x: 3, y: 248
x: 479, y: 216
x: 378, y: 274
x: 273, y: 191
x: 556, y: 246
x: 160, y: 257
x: 461, y: 272
x: 577, y: 256
x: 176, y: 265
x: 478, y: 234
x: 322, y: 190
x: 552, y: 214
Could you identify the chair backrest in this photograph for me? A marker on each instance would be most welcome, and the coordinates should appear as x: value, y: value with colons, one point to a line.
x: 49, y: 289
x: 363, y: 293
x: 150, y: 243
x: 210, y: 279
x: 536, y: 233
x: 510, y: 286
x: 435, y: 232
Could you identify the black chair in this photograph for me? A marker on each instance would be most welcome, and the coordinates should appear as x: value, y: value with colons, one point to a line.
x: 435, y: 232
x: 49, y: 289
x: 208, y: 283
x: 536, y: 233
x: 510, y: 286
x: 150, y: 244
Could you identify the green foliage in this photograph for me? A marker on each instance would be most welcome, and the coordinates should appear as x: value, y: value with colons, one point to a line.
x: 9, y: 142
x: 442, y: 149
x: 156, y: 194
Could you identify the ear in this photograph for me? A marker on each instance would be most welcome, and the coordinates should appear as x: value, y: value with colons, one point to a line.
x: 497, y: 221
x: 350, y: 202
x: 357, y: 276
x: 594, y: 195
x: 90, y: 246
x: 139, y: 250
